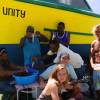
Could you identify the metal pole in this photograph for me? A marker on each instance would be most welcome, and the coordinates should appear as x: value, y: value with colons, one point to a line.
x: 17, y: 95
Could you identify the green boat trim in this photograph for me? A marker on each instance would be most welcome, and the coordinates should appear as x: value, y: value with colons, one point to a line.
x: 61, y: 6
x: 75, y: 33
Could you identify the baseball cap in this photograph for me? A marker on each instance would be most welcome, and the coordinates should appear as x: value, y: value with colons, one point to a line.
x: 30, y: 29
x: 3, y: 50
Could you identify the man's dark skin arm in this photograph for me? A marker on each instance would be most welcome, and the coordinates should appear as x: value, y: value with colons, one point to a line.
x: 68, y: 41
x: 42, y: 37
x: 13, y: 67
x: 7, y: 73
x: 41, y: 57
x: 64, y: 43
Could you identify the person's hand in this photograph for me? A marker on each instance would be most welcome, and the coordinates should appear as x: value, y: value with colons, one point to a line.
x: 73, y: 82
x: 96, y: 67
x: 41, y: 79
x: 34, y: 58
x: 22, y: 70
x: 9, y: 73
x: 68, y: 87
x: 37, y: 33
x: 41, y: 82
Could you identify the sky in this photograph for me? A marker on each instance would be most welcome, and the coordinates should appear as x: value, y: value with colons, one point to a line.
x: 95, y: 5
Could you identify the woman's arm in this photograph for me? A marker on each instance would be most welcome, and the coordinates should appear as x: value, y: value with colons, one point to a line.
x: 54, y: 92
x: 71, y: 71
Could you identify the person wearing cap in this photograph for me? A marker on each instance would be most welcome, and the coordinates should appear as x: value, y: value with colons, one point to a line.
x: 31, y: 47
x: 7, y: 68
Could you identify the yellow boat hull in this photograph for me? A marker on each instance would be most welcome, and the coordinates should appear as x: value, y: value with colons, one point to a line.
x: 15, y: 16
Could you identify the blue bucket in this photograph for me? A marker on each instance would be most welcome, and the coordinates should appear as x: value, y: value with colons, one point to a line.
x: 26, y: 80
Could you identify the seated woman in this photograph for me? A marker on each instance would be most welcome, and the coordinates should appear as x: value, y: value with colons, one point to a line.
x: 58, y: 80
x: 64, y: 58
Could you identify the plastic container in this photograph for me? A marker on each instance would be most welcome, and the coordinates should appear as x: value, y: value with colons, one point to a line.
x: 27, y: 79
